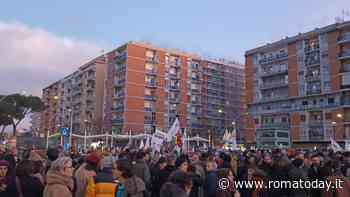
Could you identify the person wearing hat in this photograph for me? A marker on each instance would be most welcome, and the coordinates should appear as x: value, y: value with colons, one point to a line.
x: 86, y: 172
x: 7, y: 182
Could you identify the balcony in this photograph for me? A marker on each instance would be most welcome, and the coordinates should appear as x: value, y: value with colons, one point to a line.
x: 312, y: 62
x: 345, y: 68
x: 175, y: 63
x: 120, y: 83
x: 118, y: 121
x: 275, y: 58
x: 344, y: 38
x: 316, y: 123
x: 119, y: 108
x: 120, y: 67
x: 344, y: 55
x: 314, y: 91
x: 149, y: 109
x: 309, y: 49
x: 266, y: 86
x: 313, y: 78
x: 120, y: 94
x: 174, y: 76
x: 174, y: 88
x: 174, y: 100
x: 151, y: 84
x: 150, y: 121
x: 152, y: 60
x: 150, y: 97
x: 121, y: 57
x: 280, y: 125
x: 151, y: 71
x: 269, y: 73
x: 345, y: 101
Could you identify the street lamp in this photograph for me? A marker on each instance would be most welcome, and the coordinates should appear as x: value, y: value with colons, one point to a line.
x: 71, y: 127
x: 85, y: 135
x: 340, y: 115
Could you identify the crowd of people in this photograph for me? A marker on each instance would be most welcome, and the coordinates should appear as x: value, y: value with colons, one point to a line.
x: 145, y: 173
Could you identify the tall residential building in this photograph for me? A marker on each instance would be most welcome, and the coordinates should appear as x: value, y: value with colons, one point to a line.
x: 76, y: 100
x: 139, y: 87
x: 147, y: 87
x: 299, y: 87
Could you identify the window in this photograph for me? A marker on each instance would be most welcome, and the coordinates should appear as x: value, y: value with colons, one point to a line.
x: 282, y: 134
x: 314, y: 102
x: 346, y: 79
x: 328, y: 116
x: 330, y: 100
x: 284, y: 119
x: 147, y: 104
x: 305, y: 103
x: 302, y: 118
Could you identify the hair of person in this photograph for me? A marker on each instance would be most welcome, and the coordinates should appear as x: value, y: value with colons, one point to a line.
x: 181, y: 179
x: 60, y: 163
x: 52, y: 154
x: 38, y: 166
x: 124, y: 166
x: 24, y: 168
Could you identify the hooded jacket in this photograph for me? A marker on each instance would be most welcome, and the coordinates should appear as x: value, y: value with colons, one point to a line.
x: 172, y: 190
x: 58, y: 185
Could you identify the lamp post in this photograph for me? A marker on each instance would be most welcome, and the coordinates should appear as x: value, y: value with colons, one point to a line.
x: 71, y: 127
x: 85, y: 134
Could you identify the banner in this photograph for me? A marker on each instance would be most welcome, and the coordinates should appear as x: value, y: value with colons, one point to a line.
x: 157, y: 141
x: 335, y: 146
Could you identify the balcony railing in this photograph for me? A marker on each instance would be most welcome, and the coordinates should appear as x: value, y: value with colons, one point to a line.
x: 344, y: 55
x: 120, y: 67
x: 317, y: 91
x: 117, y: 120
x: 174, y: 76
x: 269, y: 73
x: 174, y: 88
x: 121, y: 57
x: 150, y: 97
x: 149, y: 109
x: 150, y: 121
x: 309, y: 49
x: 151, y: 84
x: 174, y: 100
x: 120, y: 94
x: 266, y: 86
x: 272, y: 59
x: 274, y: 126
x: 118, y: 108
x: 345, y: 101
x: 120, y: 82
x: 151, y: 71
x: 344, y: 38
x: 152, y: 60
x: 345, y: 68
x: 312, y: 78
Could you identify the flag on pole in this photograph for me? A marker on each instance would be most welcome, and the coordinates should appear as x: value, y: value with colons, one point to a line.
x: 148, y: 142
x: 335, y: 146
x: 184, y: 142
x: 141, y: 145
x: 174, y: 129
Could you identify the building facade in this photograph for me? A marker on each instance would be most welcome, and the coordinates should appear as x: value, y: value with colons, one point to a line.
x: 77, y: 100
x: 35, y: 121
x: 139, y: 87
x: 300, y: 86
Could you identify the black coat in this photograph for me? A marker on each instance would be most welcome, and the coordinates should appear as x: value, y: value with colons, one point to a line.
x: 10, y: 190
x: 314, y: 174
x: 31, y: 186
x: 197, y: 182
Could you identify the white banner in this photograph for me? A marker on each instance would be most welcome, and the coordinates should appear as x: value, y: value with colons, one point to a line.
x: 156, y: 142
x: 173, y: 130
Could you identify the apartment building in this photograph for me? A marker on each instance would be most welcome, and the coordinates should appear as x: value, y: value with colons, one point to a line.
x: 139, y: 87
x: 148, y: 87
x: 76, y: 100
x: 35, y: 121
x: 298, y: 88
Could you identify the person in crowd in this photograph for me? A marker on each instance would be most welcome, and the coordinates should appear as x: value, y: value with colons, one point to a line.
x: 141, y: 169
x: 179, y: 185
x: 28, y: 184
x: 197, y: 181
x: 332, y: 173
x: 314, y: 173
x: 103, y: 185
x: 7, y: 180
x: 346, y: 165
x: 86, y: 172
x: 298, y: 172
x: 159, y: 176
x: 229, y: 191
x: 129, y: 184
x: 59, y: 178
x: 267, y: 164
x: 52, y: 155
x: 211, y: 179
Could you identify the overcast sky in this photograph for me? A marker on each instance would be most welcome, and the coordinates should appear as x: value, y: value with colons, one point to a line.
x: 42, y: 41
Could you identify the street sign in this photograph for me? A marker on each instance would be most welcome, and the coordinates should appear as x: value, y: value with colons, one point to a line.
x: 64, y: 131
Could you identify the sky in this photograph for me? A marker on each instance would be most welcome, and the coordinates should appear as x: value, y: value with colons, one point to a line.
x: 42, y: 41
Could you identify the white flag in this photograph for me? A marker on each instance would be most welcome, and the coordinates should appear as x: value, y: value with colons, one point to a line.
x: 141, y: 145
x: 173, y: 130
x: 335, y: 146
x: 184, y: 142
x: 224, y: 138
x: 148, y: 142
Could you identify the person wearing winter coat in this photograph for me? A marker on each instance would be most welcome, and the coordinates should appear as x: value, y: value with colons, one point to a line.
x: 197, y: 181
x: 314, y: 173
x: 211, y: 179
x: 179, y: 185
x: 159, y: 176
x: 103, y: 185
x: 226, y: 173
x: 59, y: 178
x: 130, y: 185
x: 7, y: 180
x: 86, y: 172
x: 29, y: 185
x: 141, y: 169
x: 297, y: 173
